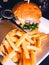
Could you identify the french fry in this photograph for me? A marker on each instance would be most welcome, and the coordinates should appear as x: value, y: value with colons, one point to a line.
x: 38, y: 43
x: 20, y: 33
x: 42, y: 36
x: 33, y: 48
x: 20, y: 62
x: 21, y: 59
x: 15, y: 58
x: 12, y: 33
x: 12, y: 44
x: 14, y: 39
x: 26, y: 61
x: 30, y: 40
x: 35, y: 36
x: 19, y: 42
x: 2, y: 49
x: 8, y: 47
x: 26, y: 52
x: 27, y: 42
x: 32, y: 59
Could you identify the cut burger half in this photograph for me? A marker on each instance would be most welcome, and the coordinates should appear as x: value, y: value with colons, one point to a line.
x: 27, y: 15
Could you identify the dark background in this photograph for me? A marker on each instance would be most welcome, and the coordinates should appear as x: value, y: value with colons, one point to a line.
x: 10, y: 4
x: 45, y: 61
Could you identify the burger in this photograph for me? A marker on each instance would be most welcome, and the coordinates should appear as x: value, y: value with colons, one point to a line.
x: 27, y: 15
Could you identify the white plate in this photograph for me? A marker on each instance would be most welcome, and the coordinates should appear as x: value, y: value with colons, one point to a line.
x: 43, y: 27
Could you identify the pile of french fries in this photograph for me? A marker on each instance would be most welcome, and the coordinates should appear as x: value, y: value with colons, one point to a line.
x: 21, y: 47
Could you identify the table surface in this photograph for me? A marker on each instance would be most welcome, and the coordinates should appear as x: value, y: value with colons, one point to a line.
x: 45, y: 61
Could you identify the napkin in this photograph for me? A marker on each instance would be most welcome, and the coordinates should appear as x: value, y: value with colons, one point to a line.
x: 44, y: 25
x: 9, y: 62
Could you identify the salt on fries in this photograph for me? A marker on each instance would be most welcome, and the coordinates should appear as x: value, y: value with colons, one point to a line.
x: 21, y: 47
